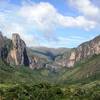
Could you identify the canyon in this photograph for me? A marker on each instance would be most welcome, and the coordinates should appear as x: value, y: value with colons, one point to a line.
x: 15, y: 52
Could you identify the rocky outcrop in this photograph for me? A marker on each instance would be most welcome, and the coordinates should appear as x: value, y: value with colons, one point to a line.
x: 1, y: 40
x: 5, y: 45
x: 88, y: 49
x: 37, y: 62
x: 14, y: 51
x: 71, y: 59
x: 18, y: 54
x: 84, y: 50
x: 1, y: 44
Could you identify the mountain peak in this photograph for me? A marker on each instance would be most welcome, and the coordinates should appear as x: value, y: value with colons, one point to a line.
x: 15, y: 35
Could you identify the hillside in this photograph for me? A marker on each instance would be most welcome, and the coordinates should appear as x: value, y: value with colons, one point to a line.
x: 85, y: 71
x: 79, y: 83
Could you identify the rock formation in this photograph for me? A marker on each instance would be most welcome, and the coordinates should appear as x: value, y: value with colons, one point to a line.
x: 71, y: 59
x: 84, y: 50
x: 18, y: 54
x: 1, y: 43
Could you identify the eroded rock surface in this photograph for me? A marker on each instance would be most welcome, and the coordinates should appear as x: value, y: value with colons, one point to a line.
x: 18, y: 54
x: 84, y: 50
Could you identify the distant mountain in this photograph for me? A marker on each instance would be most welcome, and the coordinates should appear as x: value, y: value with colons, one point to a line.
x: 50, y: 53
x: 85, y: 50
x: 67, y: 57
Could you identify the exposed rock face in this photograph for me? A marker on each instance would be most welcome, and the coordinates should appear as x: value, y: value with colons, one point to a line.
x: 4, y: 47
x: 84, y: 50
x: 88, y: 49
x: 1, y: 40
x: 18, y: 54
x: 1, y: 44
x: 71, y: 59
x: 37, y: 62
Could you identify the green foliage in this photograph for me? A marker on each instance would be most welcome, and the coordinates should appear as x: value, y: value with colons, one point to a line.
x: 31, y: 92
x: 79, y: 83
x: 45, y: 91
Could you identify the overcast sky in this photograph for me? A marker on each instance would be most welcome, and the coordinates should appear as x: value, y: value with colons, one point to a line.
x: 51, y: 23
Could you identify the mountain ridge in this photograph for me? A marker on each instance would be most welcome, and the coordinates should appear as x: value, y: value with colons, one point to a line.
x: 39, y: 57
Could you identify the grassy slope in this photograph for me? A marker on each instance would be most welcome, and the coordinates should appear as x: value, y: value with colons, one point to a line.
x: 86, y: 71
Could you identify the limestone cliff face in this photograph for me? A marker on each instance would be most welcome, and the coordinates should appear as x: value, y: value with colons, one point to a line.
x: 71, y: 60
x: 88, y: 49
x: 18, y: 54
x: 84, y: 50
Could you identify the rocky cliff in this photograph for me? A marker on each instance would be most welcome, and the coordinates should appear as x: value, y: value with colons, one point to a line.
x: 18, y: 54
x: 1, y: 44
x: 5, y: 46
x: 84, y: 50
x: 14, y: 52
x: 67, y: 58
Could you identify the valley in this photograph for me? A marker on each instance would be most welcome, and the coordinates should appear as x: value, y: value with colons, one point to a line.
x: 20, y: 81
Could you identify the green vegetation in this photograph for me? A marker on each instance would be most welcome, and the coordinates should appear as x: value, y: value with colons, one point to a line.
x: 45, y: 91
x: 79, y: 83
x: 29, y: 92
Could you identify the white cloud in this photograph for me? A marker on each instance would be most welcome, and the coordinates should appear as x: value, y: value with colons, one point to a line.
x: 46, y: 17
x: 79, y: 21
x: 87, y: 8
x: 9, y: 27
x: 42, y: 16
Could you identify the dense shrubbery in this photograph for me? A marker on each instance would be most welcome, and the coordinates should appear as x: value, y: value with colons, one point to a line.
x: 36, y: 92
x: 45, y: 91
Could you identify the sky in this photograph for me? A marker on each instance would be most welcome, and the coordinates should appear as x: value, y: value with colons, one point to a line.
x: 51, y: 23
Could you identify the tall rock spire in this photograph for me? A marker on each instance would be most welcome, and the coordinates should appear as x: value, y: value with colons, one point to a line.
x: 18, y: 54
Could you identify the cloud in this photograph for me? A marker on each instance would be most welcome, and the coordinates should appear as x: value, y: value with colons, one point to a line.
x: 8, y: 27
x: 87, y: 8
x: 46, y: 17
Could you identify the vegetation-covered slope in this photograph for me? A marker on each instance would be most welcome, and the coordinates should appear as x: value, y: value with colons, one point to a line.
x: 79, y: 83
x: 84, y: 70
